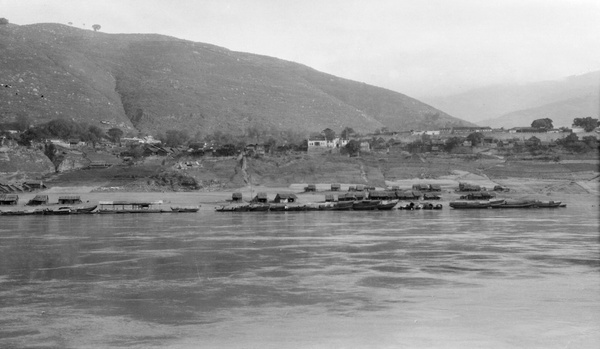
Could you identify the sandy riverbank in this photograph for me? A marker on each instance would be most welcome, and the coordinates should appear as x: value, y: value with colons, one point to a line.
x: 582, y: 191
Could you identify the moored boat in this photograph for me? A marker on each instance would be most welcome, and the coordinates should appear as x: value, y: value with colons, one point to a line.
x: 119, y: 207
x: 278, y: 207
x: 387, y: 205
x: 183, y: 209
x: 468, y: 204
x: 343, y: 206
x: 258, y: 207
x: 63, y: 210
x: 513, y: 204
x: 365, y: 205
x: 547, y: 204
x: 84, y: 210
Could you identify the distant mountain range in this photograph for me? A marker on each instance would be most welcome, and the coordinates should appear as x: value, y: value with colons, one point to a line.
x: 518, y: 105
x: 154, y: 83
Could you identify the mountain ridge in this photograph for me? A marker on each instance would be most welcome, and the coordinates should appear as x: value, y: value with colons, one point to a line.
x: 153, y: 82
x: 495, y: 102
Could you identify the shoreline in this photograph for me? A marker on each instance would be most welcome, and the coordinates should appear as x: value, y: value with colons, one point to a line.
x: 565, y: 190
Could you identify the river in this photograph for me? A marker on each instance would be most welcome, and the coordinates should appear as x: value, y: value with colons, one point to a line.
x: 398, y: 279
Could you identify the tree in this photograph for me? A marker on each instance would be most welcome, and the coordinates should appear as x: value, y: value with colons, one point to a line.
x: 96, y: 27
x: 3, y: 21
x: 588, y: 124
x: 453, y: 142
x: 115, y: 135
x: 475, y: 138
x: 63, y: 129
x: 542, y: 123
x: 329, y: 134
x: 347, y: 132
x: 94, y: 134
x: 352, y: 147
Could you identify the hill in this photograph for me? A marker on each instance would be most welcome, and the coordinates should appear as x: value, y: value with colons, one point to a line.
x: 153, y: 83
x: 562, y: 113
x: 576, y: 95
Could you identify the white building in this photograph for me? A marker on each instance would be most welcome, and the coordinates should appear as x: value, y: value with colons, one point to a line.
x: 326, y: 144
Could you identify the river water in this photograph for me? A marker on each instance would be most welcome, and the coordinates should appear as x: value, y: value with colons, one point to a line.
x: 397, y: 279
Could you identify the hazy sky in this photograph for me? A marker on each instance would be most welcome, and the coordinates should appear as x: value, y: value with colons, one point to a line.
x: 416, y: 47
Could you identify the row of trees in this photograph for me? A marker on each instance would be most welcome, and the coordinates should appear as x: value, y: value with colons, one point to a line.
x: 587, y: 123
x: 65, y: 130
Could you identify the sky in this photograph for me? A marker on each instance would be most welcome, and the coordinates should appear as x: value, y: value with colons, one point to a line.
x: 416, y: 47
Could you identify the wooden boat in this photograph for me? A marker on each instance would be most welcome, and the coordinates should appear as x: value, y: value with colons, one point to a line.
x: 343, y: 206
x: 278, y: 207
x: 470, y: 204
x: 184, y: 209
x: 232, y: 208
x: 513, y: 204
x: 227, y: 208
x: 311, y: 207
x: 296, y: 207
x: 258, y: 207
x: 63, y: 210
x: 84, y: 210
x: 365, y: 205
x: 387, y: 205
x: 328, y: 206
x: 547, y: 204
x: 17, y: 212
x: 120, y: 207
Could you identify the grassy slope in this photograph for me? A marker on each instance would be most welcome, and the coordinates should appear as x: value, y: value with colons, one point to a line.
x: 161, y: 82
x: 283, y: 171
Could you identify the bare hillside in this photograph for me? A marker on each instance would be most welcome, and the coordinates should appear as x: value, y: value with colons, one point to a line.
x: 154, y: 82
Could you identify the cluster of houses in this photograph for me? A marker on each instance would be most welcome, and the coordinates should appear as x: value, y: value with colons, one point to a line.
x: 354, y: 193
x: 41, y: 199
x: 492, y: 138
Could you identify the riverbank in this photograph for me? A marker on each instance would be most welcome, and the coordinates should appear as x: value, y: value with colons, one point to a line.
x: 584, y: 189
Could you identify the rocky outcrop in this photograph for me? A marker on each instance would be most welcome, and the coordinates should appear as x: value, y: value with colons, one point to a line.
x: 73, y: 161
x: 24, y: 163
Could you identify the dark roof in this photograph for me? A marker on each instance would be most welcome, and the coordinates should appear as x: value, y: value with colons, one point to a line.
x: 40, y: 197
x: 9, y: 197
x: 287, y: 196
x: 236, y: 195
x: 261, y: 195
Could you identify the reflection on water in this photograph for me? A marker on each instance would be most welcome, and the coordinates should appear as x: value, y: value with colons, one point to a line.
x: 447, y: 278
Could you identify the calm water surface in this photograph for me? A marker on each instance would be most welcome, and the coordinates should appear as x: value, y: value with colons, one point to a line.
x: 420, y: 279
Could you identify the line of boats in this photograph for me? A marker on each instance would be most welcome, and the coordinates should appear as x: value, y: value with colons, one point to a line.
x: 505, y: 203
x: 121, y: 207
x: 102, y: 208
x: 360, y: 205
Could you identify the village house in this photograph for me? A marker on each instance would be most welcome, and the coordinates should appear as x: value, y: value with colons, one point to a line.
x: 9, y: 199
x: 254, y: 150
x: 38, y: 200
x: 320, y: 143
x: 236, y: 197
x: 527, y: 130
x: 260, y: 197
x: 285, y: 198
